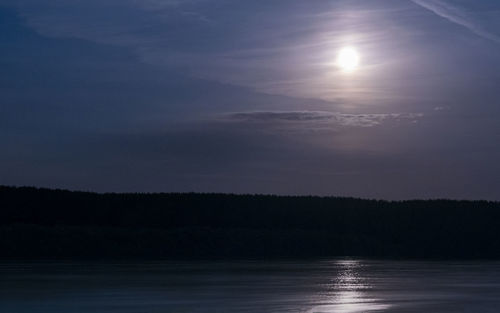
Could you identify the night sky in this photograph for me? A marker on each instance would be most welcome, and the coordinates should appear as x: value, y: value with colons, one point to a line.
x: 244, y: 96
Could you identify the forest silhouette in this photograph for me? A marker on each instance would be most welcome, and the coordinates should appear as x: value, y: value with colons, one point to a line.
x: 49, y: 224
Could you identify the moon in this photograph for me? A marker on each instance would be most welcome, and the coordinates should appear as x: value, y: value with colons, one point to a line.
x: 348, y: 59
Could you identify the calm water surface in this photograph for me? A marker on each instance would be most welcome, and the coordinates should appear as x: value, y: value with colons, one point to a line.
x: 342, y: 286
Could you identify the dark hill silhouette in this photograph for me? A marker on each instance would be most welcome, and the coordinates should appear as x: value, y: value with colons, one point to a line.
x: 43, y: 223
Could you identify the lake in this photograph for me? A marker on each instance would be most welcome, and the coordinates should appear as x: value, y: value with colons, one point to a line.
x: 342, y: 286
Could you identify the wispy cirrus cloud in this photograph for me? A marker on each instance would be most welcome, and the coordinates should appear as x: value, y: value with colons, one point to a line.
x: 239, y: 43
x: 458, y: 16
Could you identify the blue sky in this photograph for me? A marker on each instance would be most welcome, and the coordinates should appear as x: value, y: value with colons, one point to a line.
x: 244, y: 96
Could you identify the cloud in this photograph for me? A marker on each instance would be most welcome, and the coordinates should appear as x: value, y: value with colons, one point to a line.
x: 442, y: 108
x: 323, y: 117
x: 240, y: 43
x: 458, y: 16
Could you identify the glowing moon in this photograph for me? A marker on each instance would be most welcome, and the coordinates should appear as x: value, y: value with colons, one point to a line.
x: 348, y: 59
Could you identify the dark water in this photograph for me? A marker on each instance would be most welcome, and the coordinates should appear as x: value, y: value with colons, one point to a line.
x: 258, y: 287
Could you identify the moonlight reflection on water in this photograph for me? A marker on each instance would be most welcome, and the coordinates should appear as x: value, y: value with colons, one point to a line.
x: 347, y: 292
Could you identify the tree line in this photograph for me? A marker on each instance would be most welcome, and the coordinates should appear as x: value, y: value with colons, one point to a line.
x: 44, y: 223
